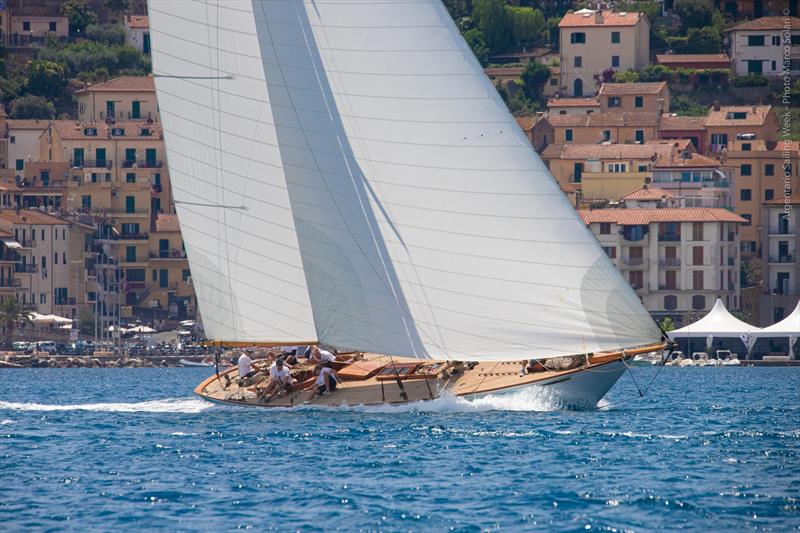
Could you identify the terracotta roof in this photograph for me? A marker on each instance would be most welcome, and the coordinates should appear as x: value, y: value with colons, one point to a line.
x: 624, y: 119
x: 670, y: 122
x: 503, y: 71
x: 522, y: 54
x: 25, y: 124
x: 754, y: 115
x: 623, y: 89
x: 587, y: 17
x: 573, y: 102
x: 526, y: 123
x: 674, y: 160
x: 30, y: 216
x: 73, y: 130
x: 637, y: 216
x: 136, y: 84
x: 767, y: 23
x: 568, y: 121
x: 607, y: 151
x: 693, y: 58
x: 137, y: 21
x: 167, y: 223
x: 794, y: 199
x: 648, y: 193
x: 680, y: 144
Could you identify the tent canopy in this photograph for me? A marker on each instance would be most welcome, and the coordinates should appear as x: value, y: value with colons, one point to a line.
x: 789, y: 326
x: 719, y: 322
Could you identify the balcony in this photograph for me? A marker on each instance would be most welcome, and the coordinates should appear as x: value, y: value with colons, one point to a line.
x: 156, y: 189
x: 633, y: 261
x: 134, y: 286
x: 128, y: 213
x: 139, y: 116
x: 782, y: 259
x: 168, y: 254
x: 669, y: 287
x: 142, y: 163
x: 669, y: 262
x: 26, y: 268
x: 781, y: 230
x: 669, y: 237
x: 91, y: 163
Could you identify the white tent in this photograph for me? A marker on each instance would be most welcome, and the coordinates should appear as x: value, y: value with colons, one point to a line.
x: 139, y: 329
x: 719, y: 322
x: 788, y: 327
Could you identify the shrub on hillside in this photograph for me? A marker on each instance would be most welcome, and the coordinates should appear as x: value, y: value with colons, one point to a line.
x: 106, y: 33
x: 751, y: 80
x: 32, y: 107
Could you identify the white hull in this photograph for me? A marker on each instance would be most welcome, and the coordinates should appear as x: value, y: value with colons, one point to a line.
x: 581, y: 390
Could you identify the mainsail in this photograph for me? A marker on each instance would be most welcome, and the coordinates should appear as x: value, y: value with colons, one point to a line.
x: 345, y: 172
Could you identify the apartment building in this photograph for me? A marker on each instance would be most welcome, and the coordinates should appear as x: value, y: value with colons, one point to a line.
x: 757, y: 46
x: 170, y: 275
x: 679, y: 261
x: 592, y: 42
x: 698, y: 181
x: 765, y: 171
x: 616, y: 128
x: 22, y: 138
x: 672, y: 127
x: 573, y: 106
x: 137, y: 32
x: 648, y: 97
x: 125, y: 98
x: 780, y: 265
x: 49, y: 260
x: 729, y: 123
x: 26, y: 22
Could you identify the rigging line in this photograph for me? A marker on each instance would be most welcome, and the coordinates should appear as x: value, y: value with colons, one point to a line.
x: 219, y: 206
x: 228, y: 77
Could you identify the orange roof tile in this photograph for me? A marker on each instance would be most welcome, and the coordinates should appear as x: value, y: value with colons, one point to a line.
x: 573, y: 102
x: 166, y: 223
x: 755, y: 115
x: 794, y: 199
x: 607, y: 151
x: 122, y: 84
x: 30, y: 216
x: 680, y: 144
x: 648, y: 193
x: 671, y: 122
x: 137, y: 21
x: 526, y: 123
x: 639, y: 216
x: 693, y: 58
x: 768, y: 23
x: 503, y: 71
x: 676, y: 160
x: 624, y: 119
x: 624, y: 89
x: 586, y: 18
x: 26, y: 124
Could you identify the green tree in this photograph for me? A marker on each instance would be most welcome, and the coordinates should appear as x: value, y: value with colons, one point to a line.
x: 32, y: 107
x: 477, y: 43
x: 86, y: 321
x: 534, y: 78
x: 703, y: 41
x: 494, y: 21
x: 528, y: 26
x: 650, y: 8
x: 694, y: 13
x: 12, y: 315
x: 46, y: 78
x: 653, y: 73
x: 628, y: 76
x: 686, y: 106
x: 79, y: 14
x: 106, y: 33
x: 667, y: 324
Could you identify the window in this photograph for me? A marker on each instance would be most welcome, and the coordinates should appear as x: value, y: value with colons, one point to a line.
x: 562, y: 112
x: 611, y: 251
x: 134, y: 274
x: 52, y: 26
x: 617, y: 167
x: 553, y: 81
x: 130, y: 177
x: 86, y: 202
x: 55, y: 258
x: 568, y: 135
x: 605, y: 228
x: 12, y: 139
x: 614, y: 61
x: 44, y: 262
x: 163, y: 278
x: 748, y: 218
x: 736, y: 115
x: 42, y: 234
x: 697, y: 280
x: 746, y: 147
x: 186, y: 274
x: 755, y: 40
x: 43, y: 298
x: 155, y: 275
x: 776, y: 40
x: 769, y: 194
x: 614, y: 101
x: 19, y: 164
x: 697, y: 255
x: 615, y: 37
x: 26, y: 25
x: 130, y: 254
x: 774, y: 66
x: 90, y: 132
x: 578, y: 61
x: 670, y: 302
x: 746, y: 170
x: 117, y: 132
x: 640, y: 136
x: 746, y: 195
x: 577, y: 37
x: 636, y: 278
x: 754, y: 66
x: 698, y: 302
x: 638, y: 101
x: 769, y: 169
x: 606, y: 135
x: 642, y: 168
x: 130, y: 204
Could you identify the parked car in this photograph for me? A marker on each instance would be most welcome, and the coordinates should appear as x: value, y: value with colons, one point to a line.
x: 21, y: 346
x: 48, y: 347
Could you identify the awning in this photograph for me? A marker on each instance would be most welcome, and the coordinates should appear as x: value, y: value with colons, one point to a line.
x: 11, y: 243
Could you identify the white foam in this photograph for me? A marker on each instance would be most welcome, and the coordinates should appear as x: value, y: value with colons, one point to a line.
x: 6, y: 422
x: 168, y: 405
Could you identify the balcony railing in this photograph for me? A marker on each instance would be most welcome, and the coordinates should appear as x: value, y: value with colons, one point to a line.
x: 669, y: 262
x: 156, y: 189
x: 26, y: 268
x: 782, y: 259
x: 168, y: 254
x: 781, y: 230
x: 142, y: 163
x: 668, y: 287
x: 669, y: 237
x: 633, y: 261
x: 134, y: 285
x: 91, y: 163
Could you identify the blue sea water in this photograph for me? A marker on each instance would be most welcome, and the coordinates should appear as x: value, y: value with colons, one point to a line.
x: 131, y: 449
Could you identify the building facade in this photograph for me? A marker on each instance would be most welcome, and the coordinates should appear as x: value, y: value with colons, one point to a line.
x: 780, y: 265
x: 757, y: 46
x: 124, y: 98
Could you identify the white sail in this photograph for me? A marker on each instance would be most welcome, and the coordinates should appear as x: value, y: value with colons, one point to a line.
x: 426, y: 223
x: 226, y: 174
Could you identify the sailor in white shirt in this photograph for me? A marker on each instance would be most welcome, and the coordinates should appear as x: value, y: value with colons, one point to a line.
x: 280, y: 377
x: 245, y: 366
x: 326, y: 380
x: 320, y: 356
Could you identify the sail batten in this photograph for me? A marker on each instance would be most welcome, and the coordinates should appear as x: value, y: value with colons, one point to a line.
x: 375, y: 157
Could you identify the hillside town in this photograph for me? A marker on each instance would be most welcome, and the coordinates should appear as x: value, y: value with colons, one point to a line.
x: 671, y: 126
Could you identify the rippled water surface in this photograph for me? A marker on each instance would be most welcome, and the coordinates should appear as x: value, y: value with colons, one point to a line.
x: 111, y: 449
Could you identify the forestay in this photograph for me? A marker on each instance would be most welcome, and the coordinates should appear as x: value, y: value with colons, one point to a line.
x: 426, y: 224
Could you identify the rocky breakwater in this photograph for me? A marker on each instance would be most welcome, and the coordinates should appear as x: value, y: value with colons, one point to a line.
x: 83, y: 362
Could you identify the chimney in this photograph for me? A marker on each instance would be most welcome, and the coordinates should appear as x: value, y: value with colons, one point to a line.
x: 598, y: 17
x: 716, y: 105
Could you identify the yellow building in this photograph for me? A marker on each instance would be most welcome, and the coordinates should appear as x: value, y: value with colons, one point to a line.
x: 615, y: 128
x: 28, y: 22
x: 725, y: 124
x: 592, y: 42
x: 169, y: 270
x: 123, y: 98
x: 648, y: 97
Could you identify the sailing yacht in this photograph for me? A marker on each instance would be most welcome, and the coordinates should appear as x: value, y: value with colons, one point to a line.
x: 345, y: 174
